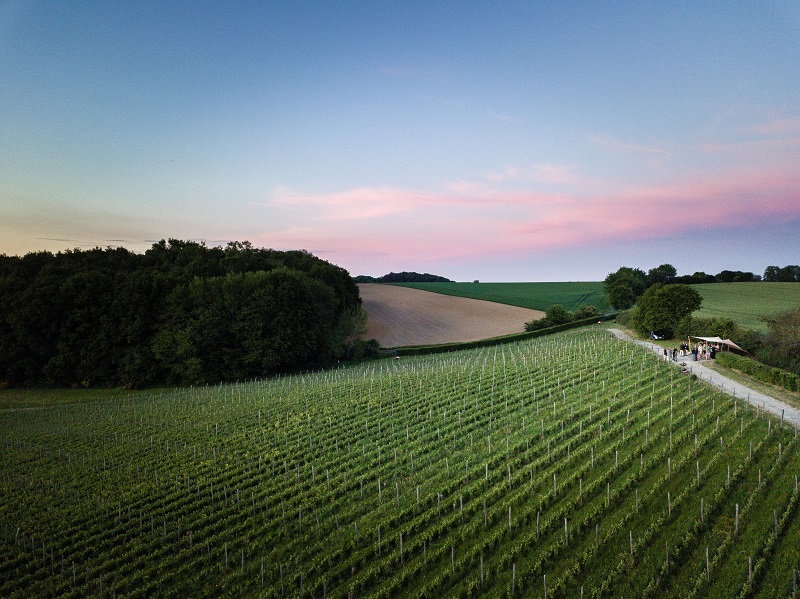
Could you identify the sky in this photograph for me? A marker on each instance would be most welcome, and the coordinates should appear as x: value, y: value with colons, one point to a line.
x: 498, y: 141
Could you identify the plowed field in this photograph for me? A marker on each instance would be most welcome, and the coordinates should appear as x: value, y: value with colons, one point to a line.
x: 399, y: 316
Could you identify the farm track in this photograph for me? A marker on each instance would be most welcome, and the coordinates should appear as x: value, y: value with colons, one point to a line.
x: 476, y: 458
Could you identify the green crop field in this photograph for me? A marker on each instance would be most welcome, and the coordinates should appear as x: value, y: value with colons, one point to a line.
x: 566, y: 466
x: 745, y: 302
x: 538, y: 296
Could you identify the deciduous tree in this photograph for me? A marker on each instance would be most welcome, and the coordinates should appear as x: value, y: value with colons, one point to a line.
x: 662, y: 307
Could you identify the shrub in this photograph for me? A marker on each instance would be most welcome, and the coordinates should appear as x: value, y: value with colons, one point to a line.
x: 587, y: 311
x: 759, y: 371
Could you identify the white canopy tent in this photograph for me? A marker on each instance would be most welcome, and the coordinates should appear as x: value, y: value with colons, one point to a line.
x: 721, y: 341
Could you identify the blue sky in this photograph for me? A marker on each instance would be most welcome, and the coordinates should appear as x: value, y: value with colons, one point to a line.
x: 515, y: 141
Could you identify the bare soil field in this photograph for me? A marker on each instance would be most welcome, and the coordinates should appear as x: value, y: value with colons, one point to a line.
x: 400, y: 316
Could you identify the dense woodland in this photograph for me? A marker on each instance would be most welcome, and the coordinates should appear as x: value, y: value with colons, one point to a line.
x: 180, y: 312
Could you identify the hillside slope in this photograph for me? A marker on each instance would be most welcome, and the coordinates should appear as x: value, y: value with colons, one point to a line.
x: 536, y: 296
x: 400, y: 316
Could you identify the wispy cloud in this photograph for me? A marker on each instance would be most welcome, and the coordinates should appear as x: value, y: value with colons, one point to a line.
x: 561, y: 174
x: 622, y: 146
x: 505, y: 118
x: 787, y: 125
x: 474, y: 221
x: 752, y: 146
x: 362, y: 203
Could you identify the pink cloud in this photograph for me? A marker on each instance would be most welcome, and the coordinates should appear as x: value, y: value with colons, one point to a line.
x: 777, y: 126
x: 413, y: 227
x: 752, y: 146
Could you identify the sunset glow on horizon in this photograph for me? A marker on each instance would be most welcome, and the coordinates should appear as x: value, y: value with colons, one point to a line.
x: 518, y: 142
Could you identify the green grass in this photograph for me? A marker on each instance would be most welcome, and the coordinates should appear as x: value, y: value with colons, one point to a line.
x: 537, y: 296
x: 23, y: 398
x: 745, y: 302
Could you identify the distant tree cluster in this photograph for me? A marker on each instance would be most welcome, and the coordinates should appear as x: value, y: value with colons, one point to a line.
x: 557, y: 314
x: 179, y: 313
x: 787, y: 274
x: 726, y: 276
x: 402, y: 277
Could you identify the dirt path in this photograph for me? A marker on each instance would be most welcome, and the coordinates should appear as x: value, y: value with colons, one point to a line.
x: 729, y: 386
x: 400, y: 316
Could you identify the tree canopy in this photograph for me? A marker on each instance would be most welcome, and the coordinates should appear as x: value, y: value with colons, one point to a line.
x: 180, y: 312
x: 661, y: 274
x: 662, y: 307
x: 624, y: 286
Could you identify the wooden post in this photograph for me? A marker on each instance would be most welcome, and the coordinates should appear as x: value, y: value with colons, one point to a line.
x: 708, y: 566
x: 775, y: 518
x: 513, y: 577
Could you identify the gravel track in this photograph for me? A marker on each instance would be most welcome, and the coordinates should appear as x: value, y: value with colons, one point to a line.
x: 733, y: 388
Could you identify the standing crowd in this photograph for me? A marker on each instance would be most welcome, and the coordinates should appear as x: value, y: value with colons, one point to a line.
x: 701, y: 351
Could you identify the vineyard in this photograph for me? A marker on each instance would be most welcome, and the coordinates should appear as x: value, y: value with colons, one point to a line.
x: 574, y: 465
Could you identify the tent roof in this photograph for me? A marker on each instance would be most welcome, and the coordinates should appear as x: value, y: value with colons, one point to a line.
x: 727, y: 342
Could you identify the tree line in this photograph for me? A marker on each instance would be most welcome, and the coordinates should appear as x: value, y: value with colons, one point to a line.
x: 403, y: 277
x: 179, y: 313
x: 627, y: 284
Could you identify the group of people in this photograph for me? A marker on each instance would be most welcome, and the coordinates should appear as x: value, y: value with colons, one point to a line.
x: 701, y: 351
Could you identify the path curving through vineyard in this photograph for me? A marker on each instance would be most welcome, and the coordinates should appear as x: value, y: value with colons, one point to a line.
x: 729, y: 386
